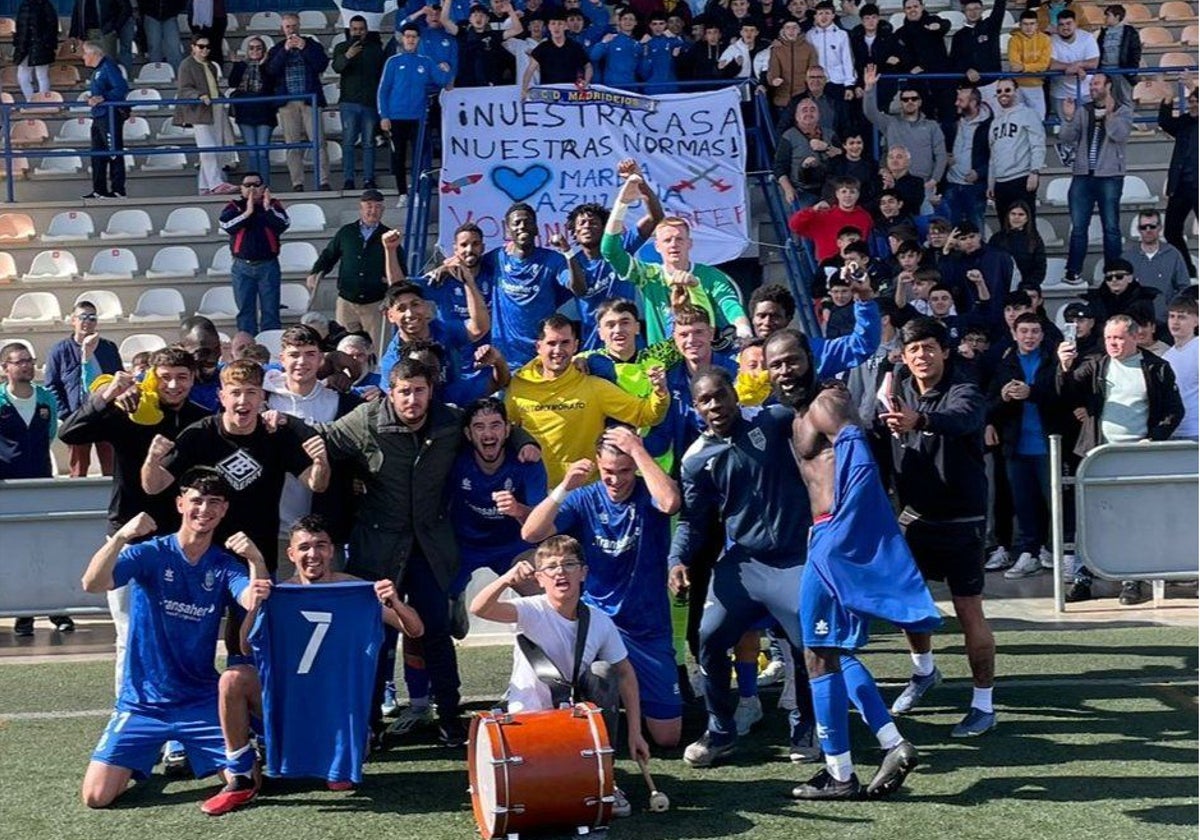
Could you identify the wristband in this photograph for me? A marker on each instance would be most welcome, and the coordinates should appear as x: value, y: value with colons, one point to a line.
x: 558, y: 495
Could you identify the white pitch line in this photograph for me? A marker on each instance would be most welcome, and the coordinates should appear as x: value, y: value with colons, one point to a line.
x: 1145, y: 682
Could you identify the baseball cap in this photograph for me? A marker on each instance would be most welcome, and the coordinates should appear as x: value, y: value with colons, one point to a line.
x: 1078, y: 309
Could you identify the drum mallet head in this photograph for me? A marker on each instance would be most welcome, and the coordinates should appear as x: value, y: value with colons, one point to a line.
x: 658, y: 800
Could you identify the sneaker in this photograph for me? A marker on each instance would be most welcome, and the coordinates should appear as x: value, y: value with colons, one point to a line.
x: 23, y: 626
x: 772, y: 674
x: 339, y: 786
x: 452, y: 733
x: 297, y: 188
x: 1026, y: 566
x: 401, y: 201
x: 621, y: 806
x: 460, y: 622
x: 117, y: 194
x: 175, y: 761
x: 410, y: 718
x: 707, y: 750
x: 95, y: 195
x: 324, y: 186
x: 914, y: 691
x: 389, y: 706
x: 1080, y: 591
x: 1074, y: 278
x: 975, y: 723
x: 998, y: 559
x: 803, y: 745
x: 749, y: 712
x: 1133, y: 592
x: 369, y: 184
x: 63, y: 623
x: 347, y: 185
x: 896, y: 765
x: 237, y: 793
x: 1046, y: 557
x: 824, y: 786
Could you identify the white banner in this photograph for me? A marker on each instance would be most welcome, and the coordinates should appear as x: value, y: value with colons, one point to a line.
x: 555, y: 155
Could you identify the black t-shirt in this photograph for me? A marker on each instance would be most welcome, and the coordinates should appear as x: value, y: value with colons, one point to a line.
x: 254, y: 465
x: 559, y: 65
x: 481, y: 57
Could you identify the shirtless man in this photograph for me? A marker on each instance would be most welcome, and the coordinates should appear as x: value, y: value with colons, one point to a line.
x: 858, y: 567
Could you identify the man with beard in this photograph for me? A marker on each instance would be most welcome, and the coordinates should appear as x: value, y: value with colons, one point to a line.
x: 451, y: 287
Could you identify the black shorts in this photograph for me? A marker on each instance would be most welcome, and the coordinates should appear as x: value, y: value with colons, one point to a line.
x: 949, y: 551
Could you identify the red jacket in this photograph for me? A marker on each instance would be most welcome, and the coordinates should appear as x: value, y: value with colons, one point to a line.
x: 822, y: 226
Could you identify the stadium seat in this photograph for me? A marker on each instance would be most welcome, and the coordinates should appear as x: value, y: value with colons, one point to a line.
x: 1057, y: 190
x: 49, y: 97
x: 16, y: 227
x: 955, y: 17
x: 187, y: 221
x: 166, y: 162
x: 234, y: 24
x: 108, y: 304
x: 64, y: 75
x: 112, y: 264
x: 1136, y: 191
x: 1190, y: 35
x: 1177, y: 11
x: 333, y: 93
x: 157, y: 73
x: 1167, y: 61
x: 29, y: 132
x: 265, y: 22
x: 169, y: 131
x: 77, y: 130
x: 136, y: 130
x: 1095, y: 232
x: 1151, y: 92
x: 1005, y: 37
x: 8, y: 267
x: 1046, y: 230
x: 138, y: 343
x: 148, y: 95
x: 306, y: 218
x: 297, y: 257
x: 1094, y: 15
x: 218, y: 304
x: 52, y: 265
x: 128, y: 224
x: 1056, y: 270
x: 33, y: 308
x: 331, y: 123
x: 339, y: 38
x: 272, y: 340
x: 333, y: 154
x: 1137, y: 13
x: 1156, y: 36
x: 173, y: 261
x: 158, y: 305
x: 65, y: 164
x: 222, y: 263
x: 294, y: 298
x: 313, y: 19
x: 20, y: 168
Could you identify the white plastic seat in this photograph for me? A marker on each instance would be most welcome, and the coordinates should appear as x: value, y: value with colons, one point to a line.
x: 112, y: 264
x: 265, y: 22
x: 1056, y: 270
x: 1057, y: 190
x: 306, y: 218
x: 1136, y: 191
x: 293, y: 297
x: 136, y: 129
x: 1098, y: 272
x: 272, y: 340
x: 151, y: 96
x: 311, y: 19
x: 332, y: 153
x: 16, y: 227
x: 107, y: 303
x: 955, y: 18
x: 78, y: 130
x: 59, y: 165
x: 222, y: 263
x: 331, y: 123
x: 297, y: 257
x: 333, y: 93
x: 168, y: 131
x: 157, y: 73
x: 187, y: 221
x: 139, y: 343
x: 173, y: 261
x: 218, y: 304
x: 233, y: 26
x: 158, y: 305
x: 128, y: 224
x: 1046, y: 230
x: 1095, y: 231
x: 52, y: 265
x: 33, y: 308
x: 8, y: 266
x: 166, y: 162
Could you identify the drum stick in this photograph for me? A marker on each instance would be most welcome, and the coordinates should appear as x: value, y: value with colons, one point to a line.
x: 658, y: 800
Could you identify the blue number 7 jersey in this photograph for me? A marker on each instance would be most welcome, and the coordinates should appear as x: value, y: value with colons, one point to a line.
x: 316, y: 648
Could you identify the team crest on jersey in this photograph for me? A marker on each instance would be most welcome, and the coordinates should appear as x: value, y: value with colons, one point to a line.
x: 603, y: 518
x: 822, y: 627
x: 758, y: 439
x: 466, y: 484
x: 169, y: 575
x: 240, y: 469
x: 209, y: 581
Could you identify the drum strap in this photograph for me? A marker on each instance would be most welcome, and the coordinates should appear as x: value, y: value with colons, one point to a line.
x: 561, y: 691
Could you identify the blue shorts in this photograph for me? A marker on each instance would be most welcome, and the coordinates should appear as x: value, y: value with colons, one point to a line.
x: 824, y: 622
x: 499, y: 560
x: 134, y: 740
x: 653, y: 661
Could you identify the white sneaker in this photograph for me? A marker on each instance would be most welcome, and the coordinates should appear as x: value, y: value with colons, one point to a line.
x: 402, y: 202
x: 621, y: 806
x: 998, y: 559
x: 1026, y: 566
x: 772, y: 674
x: 749, y: 712
x: 1046, y: 558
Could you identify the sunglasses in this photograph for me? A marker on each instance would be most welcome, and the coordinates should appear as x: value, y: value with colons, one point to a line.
x: 1147, y: 227
x: 1116, y: 275
x: 86, y: 317
x: 202, y: 46
x: 252, y: 186
x: 910, y: 99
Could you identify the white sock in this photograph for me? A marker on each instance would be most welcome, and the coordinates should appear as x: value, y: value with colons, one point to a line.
x: 840, y: 766
x: 888, y: 735
x: 982, y: 700
x: 922, y: 663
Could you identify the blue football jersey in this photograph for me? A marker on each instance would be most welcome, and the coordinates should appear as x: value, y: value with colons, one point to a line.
x: 316, y: 648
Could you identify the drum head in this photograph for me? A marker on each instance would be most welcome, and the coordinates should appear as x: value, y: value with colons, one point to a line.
x: 483, y: 775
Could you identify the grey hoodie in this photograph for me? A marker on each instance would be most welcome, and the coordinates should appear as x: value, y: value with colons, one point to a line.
x: 1118, y: 124
x: 1018, y: 141
x: 922, y: 137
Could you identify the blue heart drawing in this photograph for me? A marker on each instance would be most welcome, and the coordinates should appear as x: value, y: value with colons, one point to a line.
x: 520, y: 185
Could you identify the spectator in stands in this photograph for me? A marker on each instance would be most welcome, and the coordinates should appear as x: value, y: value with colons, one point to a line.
x: 1050, y: 15
x: 964, y: 195
x: 108, y: 24
x: 738, y: 59
x: 1029, y: 51
x: 1184, y: 360
x: 1142, y: 314
x: 1017, y: 149
x: 922, y: 137
x: 1119, y: 292
x: 1087, y: 338
x: 699, y: 62
x: 108, y: 131
x: 199, y: 78
x: 832, y: 45
x: 970, y: 268
x: 72, y: 365
x: 833, y: 118
x: 255, y: 221
x: 160, y: 23
x: 802, y: 157
x: 1101, y: 130
x: 359, y: 62
x: 791, y: 56
x: 357, y: 250
x: 208, y: 18
x: 482, y: 59
x: 896, y: 175
x: 823, y: 222
x: 660, y: 57
x: 772, y: 309
x: 580, y: 29
x: 889, y: 225
x: 1183, y: 177
x: 360, y: 353
x: 1018, y: 237
x: 557, y: 60
x: 535, y: 33
x: 1074, y: 52
x: 854, y: 162
x: 616, y: 57
x: 295, y: 65
x: 403, y: 100
x: 975, y: 48
x: 35, y: 45
x: 1120, y: 48
x: 922, y: 38
x: 1157, y: 264
x: 873, y: 43
x: 249, y: 78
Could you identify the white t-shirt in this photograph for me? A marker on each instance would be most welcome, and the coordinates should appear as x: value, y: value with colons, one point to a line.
x: 1185, y: 362
x: 25, y: 406
x: 1082, y: 48
x: 317, y: 406
x: 521, y: 48
x: 555, y: 635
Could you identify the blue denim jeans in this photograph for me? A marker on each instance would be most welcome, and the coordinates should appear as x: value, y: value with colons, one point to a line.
x: 162, y: 40
x: 358, y: 121
x: 256, y: 286
x: 965, y: 201
x: 258, y: 161
x: 1088, y: 191
x: 1029, y: 482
